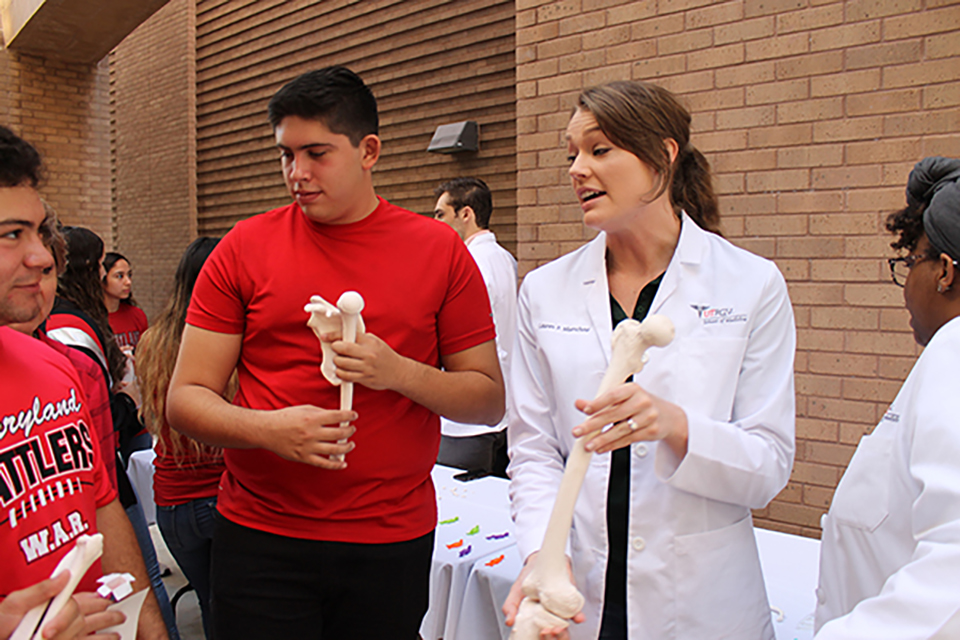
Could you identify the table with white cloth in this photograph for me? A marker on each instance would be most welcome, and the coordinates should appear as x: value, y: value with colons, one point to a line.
x: 475, y: 560
x: 790, y: 567
x: 140, y: 472
x: 474, y: 522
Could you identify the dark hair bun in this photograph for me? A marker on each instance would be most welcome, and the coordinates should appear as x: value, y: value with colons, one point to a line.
x: 929, y: 176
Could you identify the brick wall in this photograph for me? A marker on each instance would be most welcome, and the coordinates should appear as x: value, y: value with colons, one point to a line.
x: 428, y: 63
x: 153, y: 147
x: 61, y: 109
x: 812, y: 113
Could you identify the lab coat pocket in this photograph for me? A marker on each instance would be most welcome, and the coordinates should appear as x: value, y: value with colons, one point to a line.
x: 709, y: 373
x: 719, y: 585
x: 862, y: 497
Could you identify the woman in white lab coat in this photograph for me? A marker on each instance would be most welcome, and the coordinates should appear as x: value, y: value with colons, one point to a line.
x: 890, y: 554
x: 662, y: 544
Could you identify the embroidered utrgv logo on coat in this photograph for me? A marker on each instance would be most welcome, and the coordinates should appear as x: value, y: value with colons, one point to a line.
x: 717, y: 315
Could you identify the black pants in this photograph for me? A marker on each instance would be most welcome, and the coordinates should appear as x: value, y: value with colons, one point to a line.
x: 268, y: 586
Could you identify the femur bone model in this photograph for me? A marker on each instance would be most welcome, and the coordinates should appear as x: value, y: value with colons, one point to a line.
x: 550, y: 597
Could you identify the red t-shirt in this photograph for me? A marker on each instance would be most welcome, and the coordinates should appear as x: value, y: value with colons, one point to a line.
x: 424, y: 297
x: 128, y: 323
x: 52, y: 479
x: 187, y: 475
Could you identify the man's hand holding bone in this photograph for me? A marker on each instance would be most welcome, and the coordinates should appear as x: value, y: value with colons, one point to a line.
x: 309, y: 434
x: 369, y: 361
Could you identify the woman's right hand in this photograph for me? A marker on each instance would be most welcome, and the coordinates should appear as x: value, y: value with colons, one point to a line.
x: 512, y: 604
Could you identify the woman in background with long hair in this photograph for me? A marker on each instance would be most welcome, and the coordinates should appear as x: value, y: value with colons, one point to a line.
x: 127, y: 319
x: 79, y: 318
x: 187, y: 472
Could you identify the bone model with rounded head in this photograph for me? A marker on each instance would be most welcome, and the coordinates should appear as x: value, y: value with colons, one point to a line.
x: 344, y: 317
x: 550, y: 598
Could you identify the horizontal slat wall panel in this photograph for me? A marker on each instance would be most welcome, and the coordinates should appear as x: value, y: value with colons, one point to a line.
x: 428, y: 63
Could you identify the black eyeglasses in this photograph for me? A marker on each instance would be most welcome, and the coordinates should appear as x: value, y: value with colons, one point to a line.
x: 900, y: 267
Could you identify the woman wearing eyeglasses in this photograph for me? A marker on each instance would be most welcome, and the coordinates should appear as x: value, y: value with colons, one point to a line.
x: 890, y: 554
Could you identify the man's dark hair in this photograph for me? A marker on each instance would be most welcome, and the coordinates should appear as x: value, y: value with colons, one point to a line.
x: 335, y: 96
x: 469, y: 192
x: 19, y: 162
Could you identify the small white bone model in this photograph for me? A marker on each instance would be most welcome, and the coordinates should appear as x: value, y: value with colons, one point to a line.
x: 85, y: 551
x: 550, y: 598
x: 344, y: 317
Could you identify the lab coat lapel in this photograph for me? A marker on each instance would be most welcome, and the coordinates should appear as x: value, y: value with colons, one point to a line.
x: 690, y: 251
x: 593, y: 276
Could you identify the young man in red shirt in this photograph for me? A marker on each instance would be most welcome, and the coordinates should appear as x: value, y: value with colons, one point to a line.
x: 53, y: 484
x: 309, y: 546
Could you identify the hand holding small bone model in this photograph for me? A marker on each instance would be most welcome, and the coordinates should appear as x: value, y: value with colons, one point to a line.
x: 85, y: 551
x: 67, y: 624
x: 370, y: 362
x: 551, y: 599
x: 309, y: 434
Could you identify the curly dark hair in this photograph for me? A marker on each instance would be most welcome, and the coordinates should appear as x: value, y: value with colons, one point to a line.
x: 908, y: 223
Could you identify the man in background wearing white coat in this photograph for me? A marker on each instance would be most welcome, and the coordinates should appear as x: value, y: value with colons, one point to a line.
x: 466, y: 204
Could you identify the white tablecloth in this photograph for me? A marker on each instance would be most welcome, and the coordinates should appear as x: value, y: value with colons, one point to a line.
x: 790, y: 567
x: 140, y: 472
x: 474, y: 523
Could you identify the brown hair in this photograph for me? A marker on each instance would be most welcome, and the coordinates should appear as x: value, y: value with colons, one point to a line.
x: 80, y: 284
x: 638, y: 117
x: 53, y: 239
x: 159, y: 345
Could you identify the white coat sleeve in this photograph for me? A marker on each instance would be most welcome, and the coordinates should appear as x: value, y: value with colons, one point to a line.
x: 746, y: 461
x: 536, y: 460
x: 921, y: 600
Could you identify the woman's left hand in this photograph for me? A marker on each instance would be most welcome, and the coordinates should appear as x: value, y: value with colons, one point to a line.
x: 634, y: 416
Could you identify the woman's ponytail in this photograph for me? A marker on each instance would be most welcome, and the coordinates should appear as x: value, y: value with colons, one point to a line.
x: 692, y: 189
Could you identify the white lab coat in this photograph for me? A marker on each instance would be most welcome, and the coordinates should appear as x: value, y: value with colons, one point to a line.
x: 499, y: 271
x: 890, y: 552
x: 693, y: 569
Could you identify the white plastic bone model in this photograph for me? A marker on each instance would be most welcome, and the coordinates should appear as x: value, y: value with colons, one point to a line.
x: 326, y: 318
x: 85, y: 551
x: 550, y: 598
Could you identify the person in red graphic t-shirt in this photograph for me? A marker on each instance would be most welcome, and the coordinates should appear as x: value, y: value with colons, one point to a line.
x: 53, y: 484
x: 326, y: 538
x: 127, y: 319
